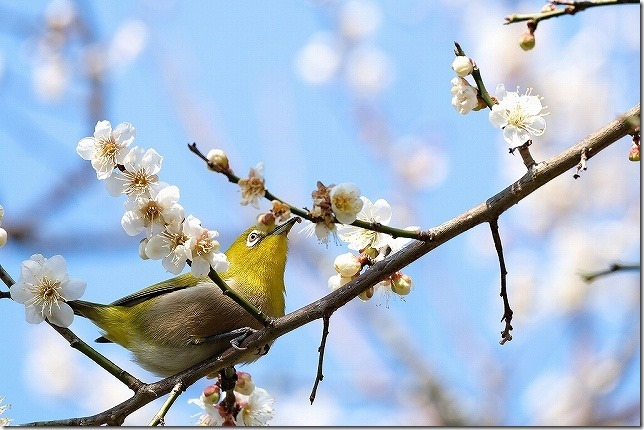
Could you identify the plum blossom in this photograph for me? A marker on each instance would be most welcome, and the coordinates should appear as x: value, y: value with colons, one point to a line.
x: 257, y: 410
x: 43, y: 287
x: 519, y: 116
x: 139, y: 174
x: 252, y: 188
x: 203, y: 249
x: 107, y: 147
x: 465, y: 95
x: 171, y: 245
x: 152, y: 213
x: 345, y: 202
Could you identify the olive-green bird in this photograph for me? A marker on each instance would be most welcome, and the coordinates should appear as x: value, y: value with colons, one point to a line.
x: 160, y: 323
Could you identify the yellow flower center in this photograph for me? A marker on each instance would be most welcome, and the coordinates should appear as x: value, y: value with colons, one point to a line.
x: 204, y: 244
x: 46, y: 294
x: 109, y: 149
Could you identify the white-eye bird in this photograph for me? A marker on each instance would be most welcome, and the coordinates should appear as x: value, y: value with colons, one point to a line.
x: 160, y: 323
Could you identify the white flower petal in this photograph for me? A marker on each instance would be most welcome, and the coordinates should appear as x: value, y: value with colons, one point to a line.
x: 157, y: 247
x: 219, y: 261
x: 86, y: 148
x: 132, y: 223
x: 498, y: 117
x: 103, y: 129
x: 61, y: 316
x: 200, y: 267
x: 57, y: 266
x: 73, y: 289
x: 20, y: 293
x: 115, y: 184
x: 30, y: 271
x: 124, y: 133
x: 173, y: 265
x: 381, y: 212
x: 33, y: 315
x: 167, y: 196
x: 151, y: 161
x: 104, y: 167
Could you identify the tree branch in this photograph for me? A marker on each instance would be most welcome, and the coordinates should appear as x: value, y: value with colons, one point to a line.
x: 572, y: 7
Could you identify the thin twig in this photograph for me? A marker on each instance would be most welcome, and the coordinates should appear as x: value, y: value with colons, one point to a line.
x: 476, y: 74
x: 394, y: 232
x: 524, y: 152
x: 160, y: 416
x: 319, y: 376
x: 615, y: 267
x: 507, y: 311
x: 572, y: 7
x: 228, y: 378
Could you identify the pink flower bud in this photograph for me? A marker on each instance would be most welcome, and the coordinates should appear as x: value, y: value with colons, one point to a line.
x: 634, y: 153
x: 400, y: 283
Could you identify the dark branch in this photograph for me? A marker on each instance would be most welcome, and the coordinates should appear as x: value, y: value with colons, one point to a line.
x: 507, y: 311
x: 615, y: 267
x: 325, y: 332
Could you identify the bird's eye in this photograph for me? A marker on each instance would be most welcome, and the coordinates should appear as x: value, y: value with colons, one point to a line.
x: 253, y: 237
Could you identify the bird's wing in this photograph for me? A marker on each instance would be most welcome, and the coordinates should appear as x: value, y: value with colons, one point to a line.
x: 179, y: 283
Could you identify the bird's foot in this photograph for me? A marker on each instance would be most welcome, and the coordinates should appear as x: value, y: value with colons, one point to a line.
x: 236, y: 337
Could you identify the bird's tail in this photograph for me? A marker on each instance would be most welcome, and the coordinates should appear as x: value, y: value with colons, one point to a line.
x: 92, y: 311
x: 84, y: 309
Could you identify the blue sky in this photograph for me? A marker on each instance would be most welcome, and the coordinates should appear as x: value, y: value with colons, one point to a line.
x: 231, y: 76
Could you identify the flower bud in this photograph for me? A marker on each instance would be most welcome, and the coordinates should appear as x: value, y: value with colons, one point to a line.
x: 142, y: 245
x: 400, y: 283
x: 462, y: 65
x: 211, y: 394
x: 634, y: 153
x: 1, y: 213
x: 244, y: 384
x: 370, y: 252
x: 366, y: 294
x: 336, y: 281
x: 266, y: 222
x: 527, y: 41
x: 347, y: 265
x: 218, y: 159
x: 3, y: 237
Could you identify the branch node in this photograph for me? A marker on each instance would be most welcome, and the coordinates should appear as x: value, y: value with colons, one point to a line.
x: 582, y: 165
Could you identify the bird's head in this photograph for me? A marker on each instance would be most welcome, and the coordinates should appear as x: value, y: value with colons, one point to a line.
x: 259, y: 258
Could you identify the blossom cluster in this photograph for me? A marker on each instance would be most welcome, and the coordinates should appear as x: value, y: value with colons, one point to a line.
x: 519, y: 116
x: 334, y: 203
x: 372, y: 247
x: 253, y: 405
x: 152, y: 207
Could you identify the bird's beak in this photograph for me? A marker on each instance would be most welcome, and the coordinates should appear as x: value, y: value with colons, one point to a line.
x: 286, y: 227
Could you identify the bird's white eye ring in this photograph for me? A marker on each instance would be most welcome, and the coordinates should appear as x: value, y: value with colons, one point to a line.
x: 253, y: 237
